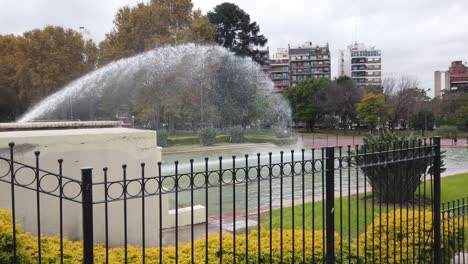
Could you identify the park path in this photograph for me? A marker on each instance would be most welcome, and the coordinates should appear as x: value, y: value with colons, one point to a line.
x: 217, y: 148
x: 331, y: 141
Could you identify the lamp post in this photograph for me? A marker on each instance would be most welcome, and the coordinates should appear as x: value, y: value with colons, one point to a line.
x: 378, y: 123
x: 425, y: 114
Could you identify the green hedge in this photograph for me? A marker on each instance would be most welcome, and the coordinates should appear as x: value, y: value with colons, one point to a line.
x: 276, y: 141
x: 194, y: 140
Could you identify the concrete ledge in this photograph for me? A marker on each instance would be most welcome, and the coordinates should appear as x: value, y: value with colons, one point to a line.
x: 184, y: 216
x: 59, y: 125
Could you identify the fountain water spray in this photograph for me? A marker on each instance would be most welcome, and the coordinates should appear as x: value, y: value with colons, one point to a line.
x: 187, y: 70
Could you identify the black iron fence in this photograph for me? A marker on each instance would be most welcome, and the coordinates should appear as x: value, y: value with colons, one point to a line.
x: 357, y: 204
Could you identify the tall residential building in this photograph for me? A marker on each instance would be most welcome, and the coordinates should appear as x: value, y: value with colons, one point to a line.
x: 456, y: 79
x: 279, y: 69
x: 361, y: 63
x: 264, y: 60
x: 309, y: 61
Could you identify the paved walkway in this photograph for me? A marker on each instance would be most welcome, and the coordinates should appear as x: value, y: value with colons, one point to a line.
x: 218, y: 148
x: 350, y: 141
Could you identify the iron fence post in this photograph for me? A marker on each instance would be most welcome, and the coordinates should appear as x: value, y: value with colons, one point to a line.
x: 87, y: 205
x: 330, y: 204
x: 436, y: 201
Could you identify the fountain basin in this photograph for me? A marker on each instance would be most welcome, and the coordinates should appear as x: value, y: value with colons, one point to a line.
x: 85, y: 144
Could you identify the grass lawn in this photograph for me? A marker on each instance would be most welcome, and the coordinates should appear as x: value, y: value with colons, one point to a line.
x: 357, y: 216
x: 452, y: 187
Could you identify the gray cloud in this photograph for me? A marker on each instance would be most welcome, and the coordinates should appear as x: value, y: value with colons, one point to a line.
x: 416, y: 37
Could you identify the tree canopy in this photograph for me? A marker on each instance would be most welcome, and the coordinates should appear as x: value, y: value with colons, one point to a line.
x: 37, y: 63
x: 153, y: 24
x: 423, y: 120
x: 372, y: 110
x: 235, y: 31
x: 306, y: 101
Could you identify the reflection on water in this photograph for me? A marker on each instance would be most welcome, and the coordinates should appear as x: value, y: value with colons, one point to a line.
x: 456, y: 160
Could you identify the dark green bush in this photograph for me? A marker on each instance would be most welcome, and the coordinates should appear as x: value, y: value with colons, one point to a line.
x: 282, y: 133
x: 223, y: 138
x: 162, y: 136
x: 188, y: 140
x: 207, y: 136
x: 276, y: 141
x: 450, y: 132
x: 395, y: 172
x: 237, y: 134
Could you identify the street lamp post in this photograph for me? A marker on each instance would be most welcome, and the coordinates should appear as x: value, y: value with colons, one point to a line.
x: 425, y: 114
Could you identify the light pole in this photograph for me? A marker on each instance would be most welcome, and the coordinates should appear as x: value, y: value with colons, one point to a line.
x: 425, y: 114
x: 71, y: 108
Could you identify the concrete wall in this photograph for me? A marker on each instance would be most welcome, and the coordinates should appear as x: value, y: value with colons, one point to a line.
x: 97, y: 148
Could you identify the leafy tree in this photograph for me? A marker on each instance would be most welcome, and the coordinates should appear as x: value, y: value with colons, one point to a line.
x: 55, y: 56
x: 38, y: 63
x: 423, y: 120
x: 153, y: 24
x: 445, y: 107
x: 371, y: 109
x: 342, y: 106
x: 461, y: 116
x: 235, y: 31
x: 404, y: 97
x: 234, y: 95
x: 9, y: 89
x: 450, y: 132
x: 306, y: 100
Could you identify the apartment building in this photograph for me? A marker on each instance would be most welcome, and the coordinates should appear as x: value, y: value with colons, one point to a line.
x: 456, y: 79
x: 309, y: 61
x: 279, y: 70
x: 362, y: 63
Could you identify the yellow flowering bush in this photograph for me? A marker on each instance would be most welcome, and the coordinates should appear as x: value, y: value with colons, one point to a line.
x: 72, y: 250
x: 409, y: 235
x: 410, y: 241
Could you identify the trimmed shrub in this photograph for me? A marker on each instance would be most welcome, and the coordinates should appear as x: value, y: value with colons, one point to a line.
x: 223, y: 138
x: 188, y: 140
x: 282, y: 133
x: 412, y: 233
x: 450, y: 132
x: 276, y: 141
x: 162, y: 136
x: 27, y: 248
x: 392, y: 181
x: 237, y: 134
x: 195, y: 140
x: 207, y: 136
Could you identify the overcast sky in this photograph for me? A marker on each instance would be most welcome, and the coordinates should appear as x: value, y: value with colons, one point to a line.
x: 416, y: 36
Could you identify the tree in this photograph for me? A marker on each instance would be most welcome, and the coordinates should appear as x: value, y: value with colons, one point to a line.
x: 234, y: 95
x: 235, y: 31
x: 447, y: 109
x: 461, y: 116
x: 404, y: 97
x: 423, y: 120
x: 344, y: 105
x: 38, y: 63
x: 306, y: 100
x: 372, y: 110
x: 9, y: 89
x: 150, y: 25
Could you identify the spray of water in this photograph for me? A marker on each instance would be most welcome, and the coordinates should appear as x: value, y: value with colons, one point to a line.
x: 176, y: 69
